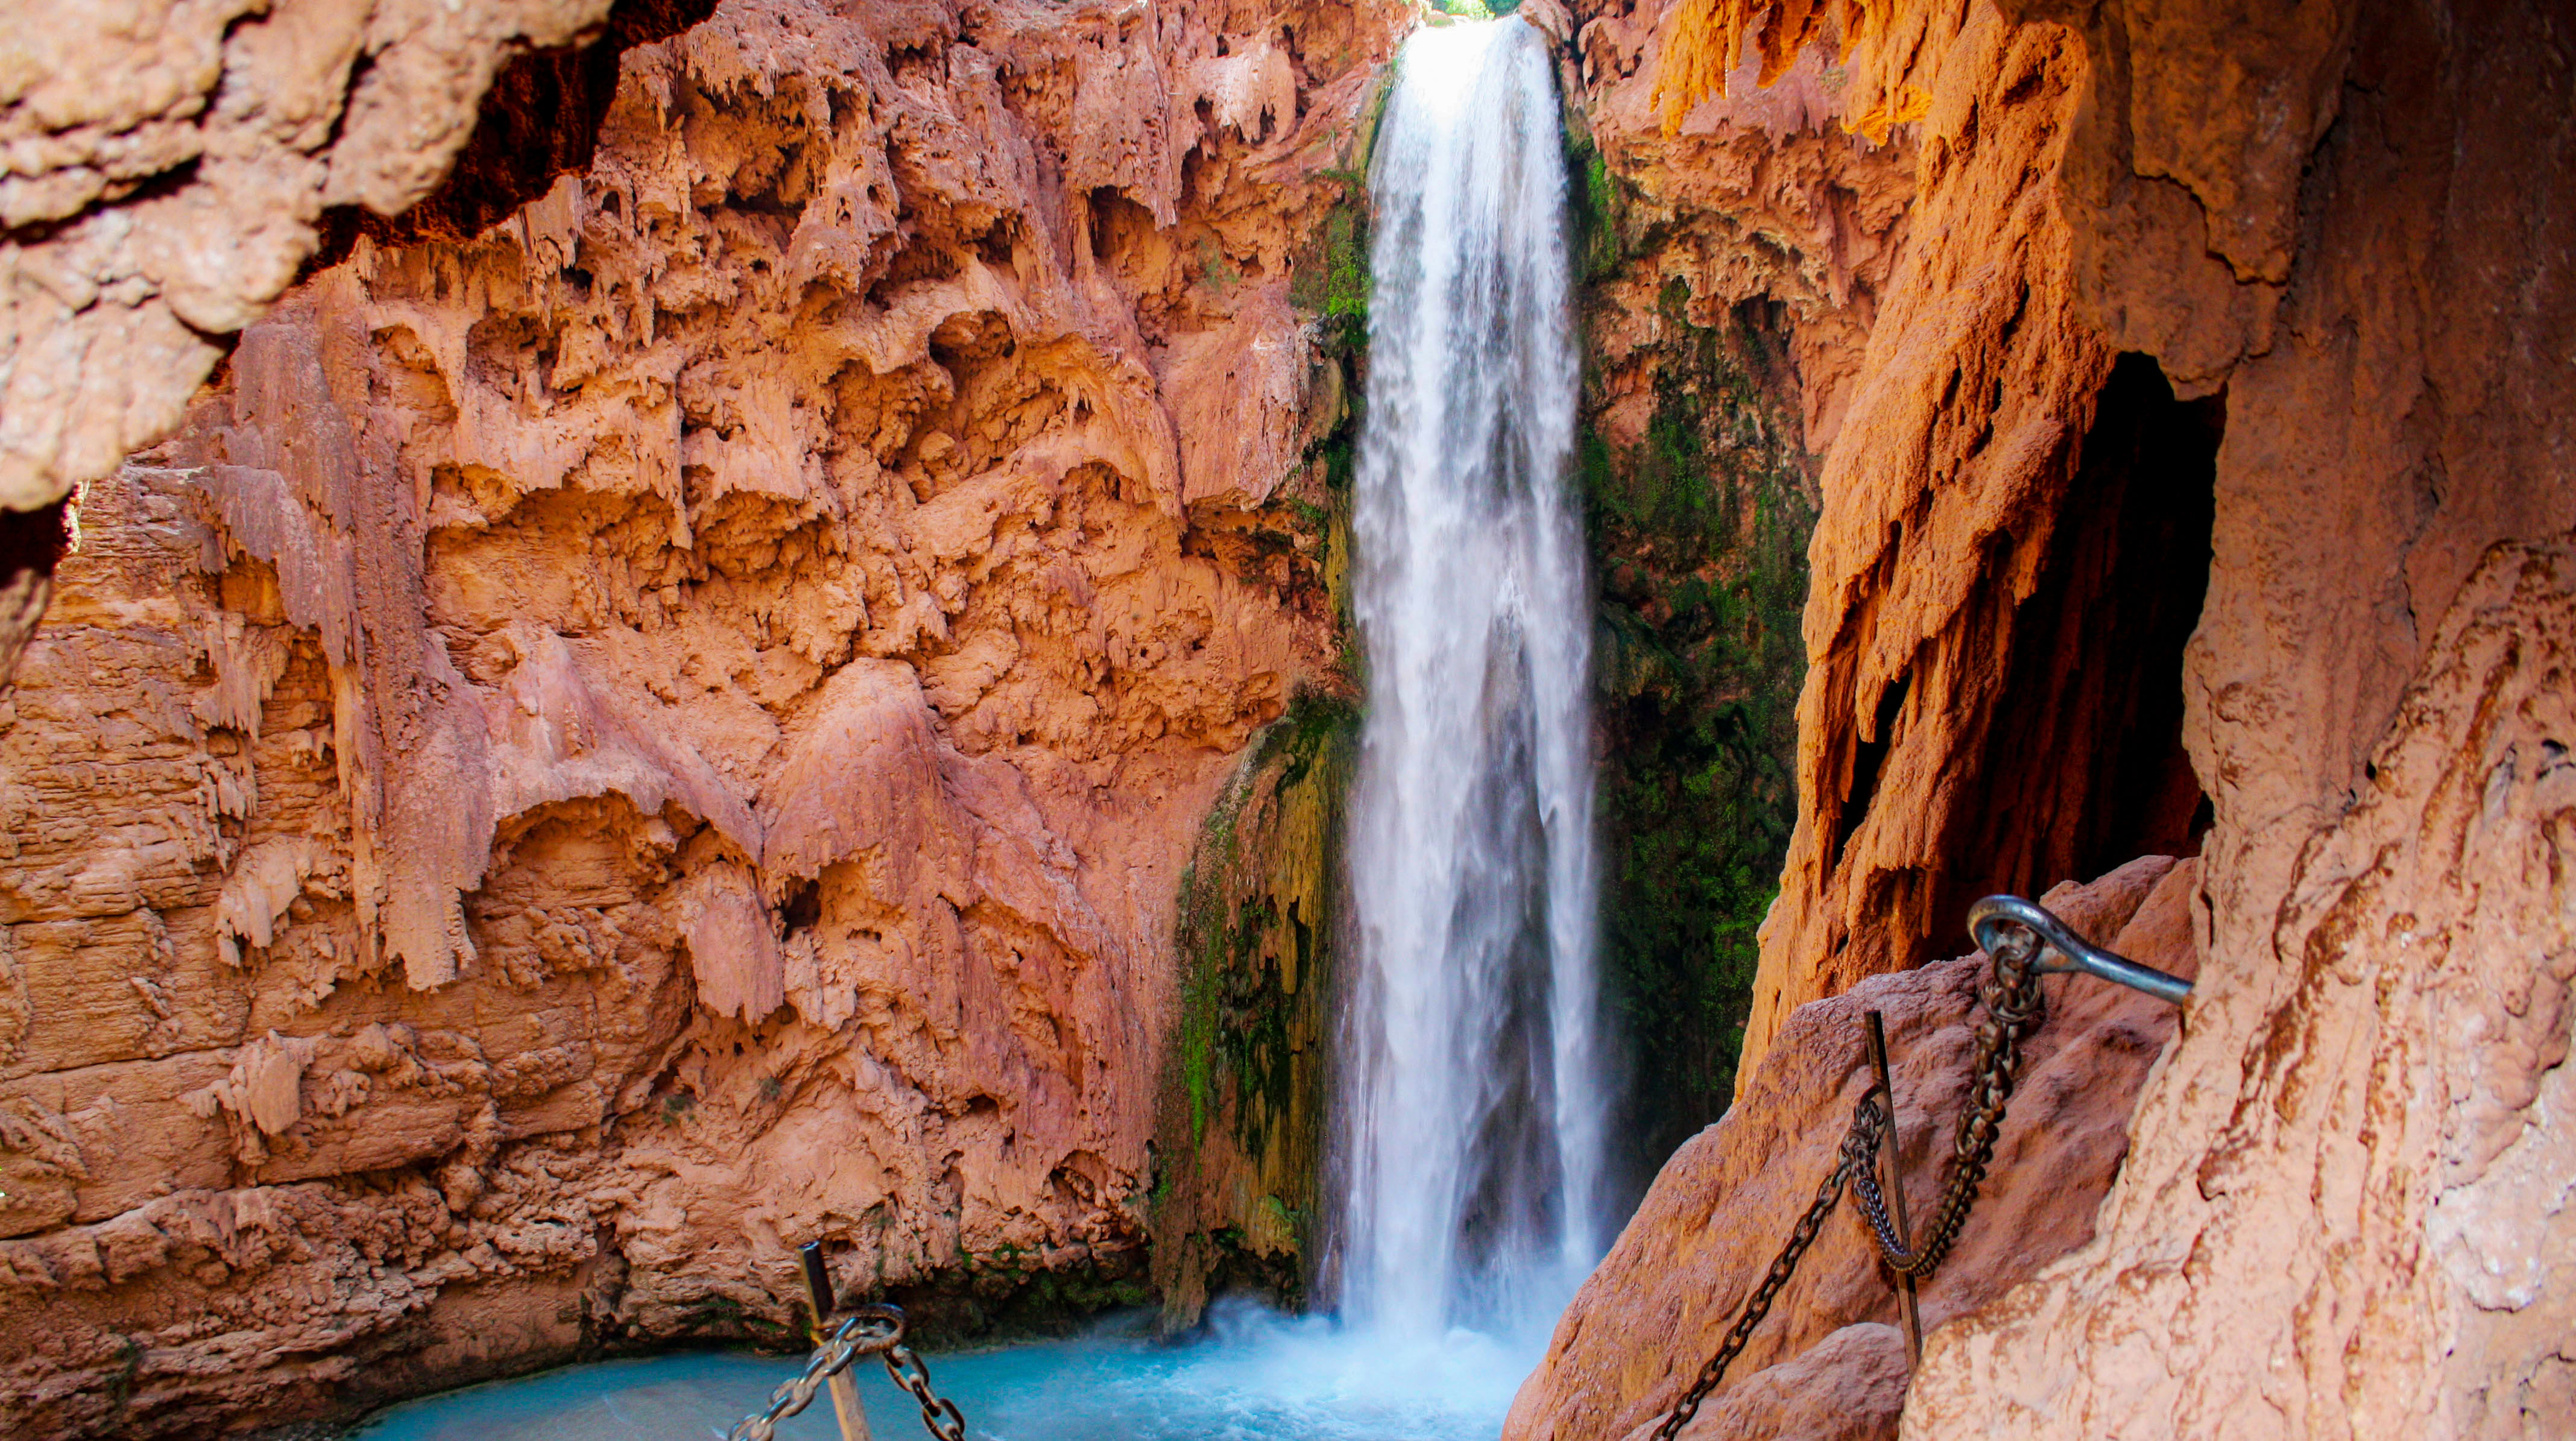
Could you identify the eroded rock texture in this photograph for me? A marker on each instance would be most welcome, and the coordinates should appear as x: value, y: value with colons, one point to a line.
x: 167, y: 168
x: 1829, y: 1362
x: 2298, y: 274
x: 167, y: 164
x: 1757, y: 195
x: 1999, y: 500
x: 671, y: 727
x: 1945, y: 523
x: 2345, y: 1214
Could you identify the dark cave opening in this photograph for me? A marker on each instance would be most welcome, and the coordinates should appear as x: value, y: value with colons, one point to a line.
x: 2082, y: 767
x: 539, y: 120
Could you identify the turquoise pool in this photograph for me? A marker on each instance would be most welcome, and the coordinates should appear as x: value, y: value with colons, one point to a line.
x: 1253, y: 1377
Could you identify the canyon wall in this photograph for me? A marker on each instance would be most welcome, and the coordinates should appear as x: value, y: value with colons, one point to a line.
x: 2344, y: 1213
x: 671, y: 725
x: 2288, y: 280
x: 1730, y: 270
x: 171, y: 166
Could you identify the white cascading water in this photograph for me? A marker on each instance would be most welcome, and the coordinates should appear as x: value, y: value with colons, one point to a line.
x: 1473, y: 1106
x: 1472, y: 1093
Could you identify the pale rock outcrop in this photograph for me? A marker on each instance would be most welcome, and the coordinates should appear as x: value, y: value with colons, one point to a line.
x: 2344, y: 1214
x: 2337, y: 229
x: 168, y: 162
x: 1848, y: 1387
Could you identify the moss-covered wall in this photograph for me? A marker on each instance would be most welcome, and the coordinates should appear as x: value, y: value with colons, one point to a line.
x: 1239, y: 1142
x: 1241, y: 1115
x: 1698, y: 499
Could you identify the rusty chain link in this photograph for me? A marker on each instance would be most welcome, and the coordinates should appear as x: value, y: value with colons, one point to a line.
x: 937, y: 1412
x: 2014, y: 1007
x: 1828, y: 1195
x: 870, y: 1331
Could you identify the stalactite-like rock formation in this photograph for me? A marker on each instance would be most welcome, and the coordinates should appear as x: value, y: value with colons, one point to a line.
x: 168, y: 166
x: 2288, y: 281
x: 671, y: 725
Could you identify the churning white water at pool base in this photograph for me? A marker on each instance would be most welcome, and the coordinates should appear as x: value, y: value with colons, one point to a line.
x: 1473, y: 1110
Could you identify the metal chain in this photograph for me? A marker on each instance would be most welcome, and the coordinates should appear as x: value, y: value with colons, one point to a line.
x: 1855, y: 1160
x: 870, y: 1331
x: 937, y: 1412
x: 2014, y: 1006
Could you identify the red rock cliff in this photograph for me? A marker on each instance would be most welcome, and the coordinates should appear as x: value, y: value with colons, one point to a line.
x: 671, y: 727
x: 2291, y: 276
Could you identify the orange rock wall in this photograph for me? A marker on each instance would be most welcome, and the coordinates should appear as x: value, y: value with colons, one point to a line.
x: 671, y: 728
x: 2343, y: 225
x: 2343, y: 1214
x: 1941, y: 496
x: 1953, y: 742
x: 1755, y: 195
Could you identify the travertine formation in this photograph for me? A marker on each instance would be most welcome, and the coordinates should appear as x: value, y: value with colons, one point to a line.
x: 671, y: 728
x: 673, y: 724
x: 166, y: 165
x: 1942, y: 492
x: 1636, y: 1334
x: 1756, y: 195
x: 2338, y: 232
x: 2346, y: 1210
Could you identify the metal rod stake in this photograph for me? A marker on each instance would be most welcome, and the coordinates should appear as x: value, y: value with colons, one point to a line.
x: 2065, y: 950
x: 1893, y: 1184
x: 845, y: 1392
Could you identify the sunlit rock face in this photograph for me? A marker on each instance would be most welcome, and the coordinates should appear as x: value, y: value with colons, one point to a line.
x: 2294, y: 278
x: 1829, y: 1361
x: 671, y: 727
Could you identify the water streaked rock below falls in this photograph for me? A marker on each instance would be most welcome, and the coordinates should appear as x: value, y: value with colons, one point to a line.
x: 1253, y: 1377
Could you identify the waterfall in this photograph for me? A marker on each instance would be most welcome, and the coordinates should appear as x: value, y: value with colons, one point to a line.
x: 1473, y: 1104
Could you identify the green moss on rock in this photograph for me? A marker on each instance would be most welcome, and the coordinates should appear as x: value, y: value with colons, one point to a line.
x: 1698, y: 539
x: 1239, y: 1140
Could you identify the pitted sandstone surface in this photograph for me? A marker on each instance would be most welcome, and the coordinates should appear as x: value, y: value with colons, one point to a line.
x: 669, y: 728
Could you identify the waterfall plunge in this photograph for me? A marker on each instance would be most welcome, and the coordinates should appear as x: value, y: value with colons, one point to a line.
x: 1473, y: 1108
